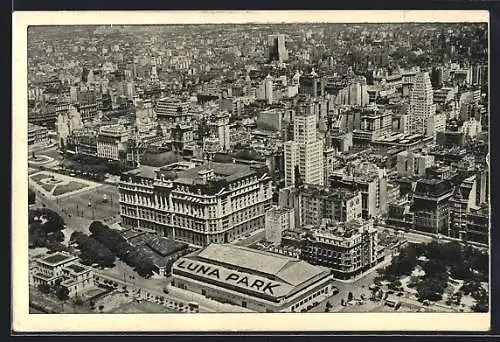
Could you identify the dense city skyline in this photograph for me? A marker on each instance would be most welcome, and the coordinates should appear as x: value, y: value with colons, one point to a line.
x: 302, y: 167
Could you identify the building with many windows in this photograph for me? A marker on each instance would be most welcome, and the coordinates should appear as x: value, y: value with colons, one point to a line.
x: 276, y: 48
x: 37, y: 135
x: 278, y: 220
x: 111, y: 142
x: 256, y: 280
x: 201, y: 205
x: 421, y: 103
x: 63, y: 269
x: 367, y: 178
x: 172, y: 110
x: 413, y: 163
x: 461, y: 204
x: 347, y: 248
x: 478, y: 225
x: 305, y: 152
x: 430, y: 207
x: 317, y: 203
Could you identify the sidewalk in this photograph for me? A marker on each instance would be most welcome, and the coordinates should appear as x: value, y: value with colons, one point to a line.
x: 211, y: 305
x: 386, y: 262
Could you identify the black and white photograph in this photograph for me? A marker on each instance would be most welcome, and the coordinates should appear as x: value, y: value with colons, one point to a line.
x: 312, y: 166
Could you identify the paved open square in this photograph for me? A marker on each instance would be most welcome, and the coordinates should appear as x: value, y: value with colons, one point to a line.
x: 54, y: 185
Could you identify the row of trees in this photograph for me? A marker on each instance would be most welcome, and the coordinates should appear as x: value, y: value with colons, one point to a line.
x: 142, y: 263
x: 93, y: 251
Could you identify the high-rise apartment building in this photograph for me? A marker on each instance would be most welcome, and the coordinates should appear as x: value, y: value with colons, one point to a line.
x: 172, y: 110
x: 317, y: 203
x: 111, y: 142
x: 461, y: 204
x: 421, y: 103
x: 305, y: 153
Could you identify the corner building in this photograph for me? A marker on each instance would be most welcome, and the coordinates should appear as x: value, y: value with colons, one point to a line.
x: 258, y: 280
x: 199, y: 205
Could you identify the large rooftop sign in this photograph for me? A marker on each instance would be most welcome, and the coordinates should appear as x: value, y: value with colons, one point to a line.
x: 228, y: 277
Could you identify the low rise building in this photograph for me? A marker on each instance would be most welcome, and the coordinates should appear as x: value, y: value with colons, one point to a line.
x: 63, y: 269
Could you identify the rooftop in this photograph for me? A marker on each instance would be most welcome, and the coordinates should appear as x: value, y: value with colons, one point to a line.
x: 57, y: 258
x: 289, y: 270
x: 433, y: 187
x: 77, y: 268
x: 342, y: 229
x: 229, y: 171
x: 164, y: 246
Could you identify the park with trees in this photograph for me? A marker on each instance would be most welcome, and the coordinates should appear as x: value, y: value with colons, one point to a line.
x: 441, y: 263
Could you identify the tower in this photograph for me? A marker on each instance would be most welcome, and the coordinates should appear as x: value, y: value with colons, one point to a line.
x: 277, y: 48
x: 421, y: 103
x: 304, y: 155
x: 268, y: 89
x: 221, y: 122
x: 211, y: 146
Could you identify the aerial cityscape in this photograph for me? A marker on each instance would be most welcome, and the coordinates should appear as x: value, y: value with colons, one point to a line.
x: 253, y: 168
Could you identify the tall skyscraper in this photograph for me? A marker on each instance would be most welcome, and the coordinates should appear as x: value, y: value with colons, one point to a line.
x: 305, y: 153
x: 277, y: 49
x: 268, y: 89
x: 421, y: 103
x: 221, y: 121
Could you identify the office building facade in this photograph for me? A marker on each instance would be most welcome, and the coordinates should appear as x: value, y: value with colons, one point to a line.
x: 201, y: 205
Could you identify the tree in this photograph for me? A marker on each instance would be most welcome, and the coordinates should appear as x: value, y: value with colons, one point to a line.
x: 434, y: 267
x: 44, y: 288
x: 36, y: 235
x: 350, y: 296
x: 431, y: 289
x: 78, y: 301
x: 62, y: 293
x: 461, y: 271
x: 395, y: 285
x: 54, y: 222
x: 31, y: 196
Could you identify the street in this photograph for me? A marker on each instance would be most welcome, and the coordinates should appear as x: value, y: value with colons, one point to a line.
x: 77, y: 214
x: 358, y: 287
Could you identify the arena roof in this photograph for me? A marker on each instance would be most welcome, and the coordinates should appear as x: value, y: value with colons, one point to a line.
x: 289, y: 270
